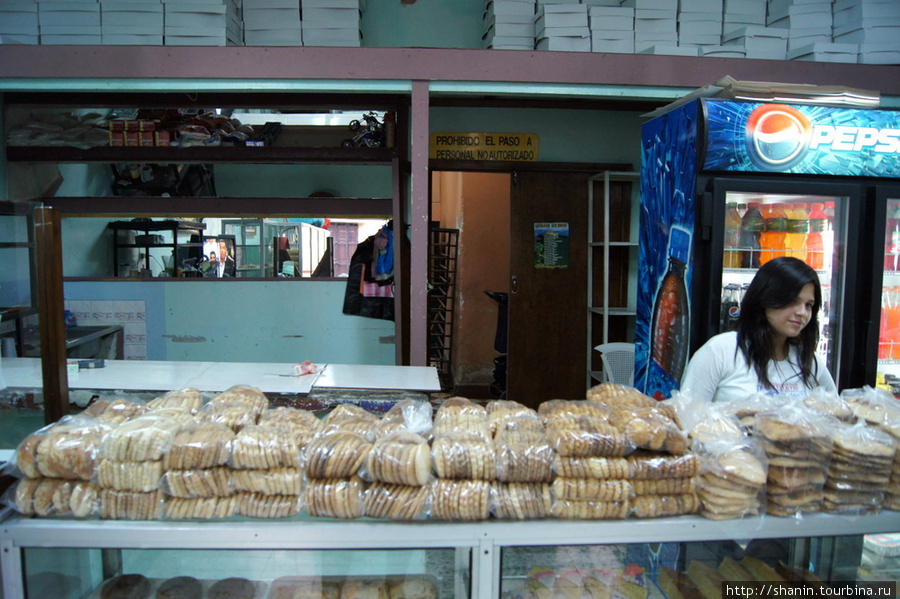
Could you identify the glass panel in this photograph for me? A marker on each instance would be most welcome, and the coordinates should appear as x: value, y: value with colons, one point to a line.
x: 75, y: 573
x: 889, y: 330
x: 760, y: 227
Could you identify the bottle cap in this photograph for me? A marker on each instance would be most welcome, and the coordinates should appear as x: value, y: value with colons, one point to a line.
x: 679, y: 244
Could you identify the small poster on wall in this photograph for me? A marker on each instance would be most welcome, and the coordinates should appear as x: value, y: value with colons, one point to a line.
x: 551, y: 245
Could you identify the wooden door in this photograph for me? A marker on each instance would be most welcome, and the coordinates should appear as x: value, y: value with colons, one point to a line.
x: 547, y: 306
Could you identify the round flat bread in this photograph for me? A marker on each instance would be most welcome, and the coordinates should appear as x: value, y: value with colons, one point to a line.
x: 127, y: 586
x: 232, y: 588
x: 180, y: 587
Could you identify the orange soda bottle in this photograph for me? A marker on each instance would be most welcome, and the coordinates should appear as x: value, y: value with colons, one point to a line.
x: 795, y: 243
x: 771, y: 240
x: 731, y: 257
x: 815, y: 247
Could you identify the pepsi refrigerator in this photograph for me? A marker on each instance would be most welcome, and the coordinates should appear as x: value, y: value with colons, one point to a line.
x: 728, y: 185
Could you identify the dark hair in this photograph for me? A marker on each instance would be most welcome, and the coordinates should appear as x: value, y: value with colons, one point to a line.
x: 776, y: 284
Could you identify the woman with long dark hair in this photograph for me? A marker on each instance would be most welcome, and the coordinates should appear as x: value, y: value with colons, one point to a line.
x: 773, y: 349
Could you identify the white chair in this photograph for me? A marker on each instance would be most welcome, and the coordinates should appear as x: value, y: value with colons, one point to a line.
x: 618, y: 362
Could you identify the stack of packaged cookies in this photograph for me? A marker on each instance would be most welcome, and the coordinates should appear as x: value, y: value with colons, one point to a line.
x: 236, y: 408
x: 399, y: 466
x: 591, y: 473
x: 332, y: 462
x: 860, y: 469
x: 879, y: 409
x: 464, y: 461
x: 798, y: 448
x: 196, y: 477
x: 524, y: 462
x: 662, y: 468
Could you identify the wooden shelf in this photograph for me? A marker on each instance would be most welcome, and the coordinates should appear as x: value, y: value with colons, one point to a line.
x: 209, y: 206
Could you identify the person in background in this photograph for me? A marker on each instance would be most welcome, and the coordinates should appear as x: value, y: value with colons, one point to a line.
x: 225, y: 267
x: 773, y: 349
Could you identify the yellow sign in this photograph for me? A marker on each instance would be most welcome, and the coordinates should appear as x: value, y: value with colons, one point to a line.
x: 521, y: 147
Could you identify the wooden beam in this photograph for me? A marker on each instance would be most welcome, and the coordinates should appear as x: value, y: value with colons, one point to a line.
x: 51, y: 307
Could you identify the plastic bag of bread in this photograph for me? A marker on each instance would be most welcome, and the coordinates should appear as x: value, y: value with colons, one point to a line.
x: 716, y: 424
x: 613, y: 394
x: 335, y: 497
x: 130, y: 505
x: 745, y: 410
x: 145, y: 438
x: 238, y: 407
x: 829, y: 403
x: 274, y: 481
x: 591, y: 489
x: 52, y: 497
x: 460, y: 499
x: 402, y: 458
x: 201, y: 508
x: 193, y: 484
x: 412, y: 587
x: 459, y: 415
x: 303, y: 424
x: 364, y: 588
x: 116, y: 411
x: 335, y: 453
x: 263, y: 447
x: 523, y: 455
x: 411, y: 415
x: 586, y: 435
x: 303, y: 587
x: 507, y: 414
x: 557, y: 411
x: 875, y: 406
x: 199, y: 445
x: 649, y: 428
x: 520, y: 500
x: 661, y: 506
x: 860, y: 469
x: 733, y: 477
x: 464, y: 456
x: 348, y: 411
x: 257, y: 505
x: 798, y: 445
x: 189, y: 399
x: 571, y: 509
x: 396, y: 502
x: 593, y: 467
x: 129, y: 476
x: 649, y: 465
x: 66, y: 449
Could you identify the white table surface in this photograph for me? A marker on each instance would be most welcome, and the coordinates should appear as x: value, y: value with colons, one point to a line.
x: 149, y: 375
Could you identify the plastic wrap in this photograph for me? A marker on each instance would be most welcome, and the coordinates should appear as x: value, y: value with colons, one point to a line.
x: 464, y: 456
x: 523, y: 456
x: 660, y: 506
x: 349, y: 412
x: 830, y: 404
x: 715, y: 423
x: 520, y: 500
x: 199, y: 445
x: 200, y: 508
x: 145, y: 438
x: 592, y: 489
x: 654, y: 466
x: 275, y: 481
x: 875, y: 406
x: 587, y: 436
x: 335, y: 454
x: 593, y: 467
x: 798, y: 446
x: 237, y: 407
x: 557, y: 411
x: 665, y: 486
x: 257, y: 505
x: 127, y: 505
x: 459, y: 415
x: 129, y: 476
x: 402, y: 458
x: 612, y: 395
x: 52, y: 497
x: 116, y: 411
x: 649, y: 428
x: 303, y: 424
x: 860, y: 469
x: 335, y: 498
x: 733, y: 478
x: 192, y: 484
x: 396, y: 502
x: 503, y: 412
x: 745, y: 410
x: 589, y: 510
x: 189, y: 399
x: 261, y: 447
x: 411, y: 415
x: 460, y: 499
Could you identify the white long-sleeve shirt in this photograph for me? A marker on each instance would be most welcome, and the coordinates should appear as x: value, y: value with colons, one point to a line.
x: 718, y: 371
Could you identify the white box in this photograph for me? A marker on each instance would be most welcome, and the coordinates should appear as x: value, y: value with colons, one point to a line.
x: 19, y: 39
x: 73, y: 40
x: 612, y: 46
x: 195, y: 40
x: 705, y: 6
x: 723, y: 52
x: 669, y: 50
x: 331, y: 17
x: 332, y: 4
x: 117, y: 39
x: 652, y: 25
x: 502, y: 42
x: 756, y: 31
x: 23, y: 23
x: 330, y: 37
x: 822, y: 52
x: 195, y: 19
x: 271, y: 18
x: 879, y: 54
x: 659, y: 4
x: 754, y: 8
x: 260, y: 4
x: 642, y: 39
x: 655, y: 13
x: 871, y: 35
x: 562, y: 32
x: 614, y: 23
x: 561, y: 20
x: 600, y: 2
x: 513, y: 30
x: 77, y: 15
x: 273, y: 37
x: 612, y: 35
x: 564, y: 44
x: 699, y: 39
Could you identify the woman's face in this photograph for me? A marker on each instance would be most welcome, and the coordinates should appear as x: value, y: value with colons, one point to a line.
x: 789, y: 320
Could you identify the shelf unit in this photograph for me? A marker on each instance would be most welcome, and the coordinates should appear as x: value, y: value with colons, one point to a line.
x: 479, y: 547
x: 442, y: 263
x: 18, y: 295
x: 612, y: 247
x: 172, y: 227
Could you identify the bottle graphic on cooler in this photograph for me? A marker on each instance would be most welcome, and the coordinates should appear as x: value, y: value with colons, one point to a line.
x: 671, y: 326
x: 815, y: 248
x: 751, y: 227
x: 795, y: 240
x: 731, y: 257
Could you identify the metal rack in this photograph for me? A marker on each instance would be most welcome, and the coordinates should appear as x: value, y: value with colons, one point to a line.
x: 442, y: 258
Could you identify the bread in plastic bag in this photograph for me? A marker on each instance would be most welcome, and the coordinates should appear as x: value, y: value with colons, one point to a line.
x: 396, y: 502
x: 460, y: 499
x: 520, y: 500
x: 335, y: 454
x: 335, y: 497
x: 401, y: 458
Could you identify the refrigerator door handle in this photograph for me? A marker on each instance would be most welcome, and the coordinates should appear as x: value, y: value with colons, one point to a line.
x: 706, y: 216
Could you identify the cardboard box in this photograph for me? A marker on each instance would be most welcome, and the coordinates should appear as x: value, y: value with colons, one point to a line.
x: 20, y: 23
x: 826, y: 52
x: 615, y: 23
x: 612, y: 46
x: 510, y: 43
x: 562, y: 32
x: 70, y: 40
x: 19, y: 39
x: 669, y: 50
x: 564, y: 44
x: 314, y: 36
x: 513, y: 30
x: 268, y: 19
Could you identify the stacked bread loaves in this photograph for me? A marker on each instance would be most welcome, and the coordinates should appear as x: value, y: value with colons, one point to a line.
x: 798, y: 449
x: 332, y: 461
x: 399, y: 466
x: 879, y: 409
x: 464, y: 461
x: 588, y: 484
x: 860, y: 469
x: 524, y: 462
x: 236, y: 408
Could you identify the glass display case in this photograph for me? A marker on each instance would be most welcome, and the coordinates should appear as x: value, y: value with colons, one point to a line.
x: 271, y: 248
x: 462, y: 559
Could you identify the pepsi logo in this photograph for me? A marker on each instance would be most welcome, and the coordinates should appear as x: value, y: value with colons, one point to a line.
x: 777, y: 137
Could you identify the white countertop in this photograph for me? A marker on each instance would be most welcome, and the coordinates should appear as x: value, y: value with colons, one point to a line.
x: 149, y: 375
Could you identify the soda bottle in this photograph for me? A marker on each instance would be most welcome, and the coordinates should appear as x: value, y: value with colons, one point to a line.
x: 670, y: 346
x: 731, y: 257
x: 771, y: 240
x: 892, y: 239
x: 828, y: 234
x: 884, y: 344
x: 731, y: 307
x: 815, y: 249
x: 751, y: 228
x: 795, y: 242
